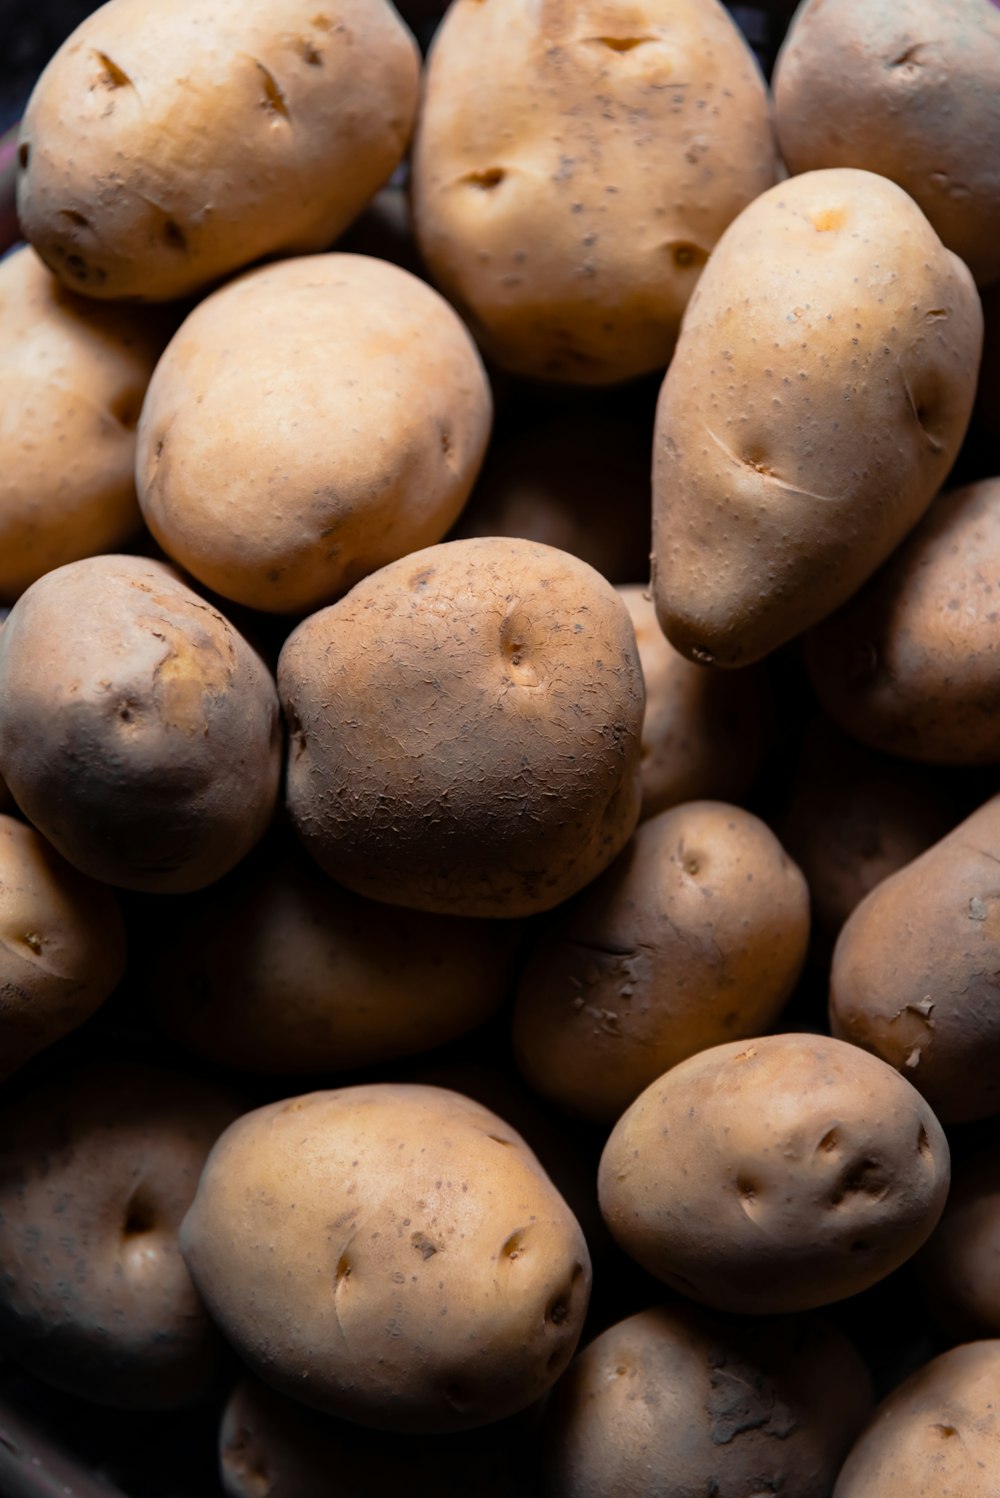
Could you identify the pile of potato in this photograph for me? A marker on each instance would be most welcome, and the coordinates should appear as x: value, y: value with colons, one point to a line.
x: 500, y: 978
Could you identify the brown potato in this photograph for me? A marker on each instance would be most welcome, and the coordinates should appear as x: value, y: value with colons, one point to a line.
x: 695, y: 935
x: 62, y: 945
x: 956, y: 1268
x: 391, y: 1254
x: 465, y: 729
x: 145, y: 746
x: 914, y: 976
x: 375, y: 417
x: 96, y: 1172
x: 775, y: 1176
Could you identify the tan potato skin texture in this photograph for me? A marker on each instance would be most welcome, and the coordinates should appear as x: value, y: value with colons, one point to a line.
x: 168, y: 146
x: 375, y: 417
x: 465, y: 729
x: 62, y: 945
x: 392, y: 1254
x: 96, y: 1173
x: 695, y: 935
x: 909, y: 89
x: 911, y: 664
x: 938, y: 1433
x: 627, y: 137
x: 957, y: 1267
x: 675, y: 1402
x: 821, y: 388
x: 145, y: 746
x: 72, y: 378
x: 914, y: 977
x: 775, y: 1175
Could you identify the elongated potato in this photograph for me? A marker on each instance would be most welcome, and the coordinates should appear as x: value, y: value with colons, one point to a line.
x: 821, y: 387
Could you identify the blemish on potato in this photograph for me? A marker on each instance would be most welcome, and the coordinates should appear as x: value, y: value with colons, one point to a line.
x: 486, y: 180
x: 274, y: 100
x: 112, y: 76
x: 174, y: 236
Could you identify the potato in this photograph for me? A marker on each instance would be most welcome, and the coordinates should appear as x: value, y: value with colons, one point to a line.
x: 391, y: 1254
x: 821, y: 387
x: 914, y: 977
x: 956, y: 1268
x: 138, y: 731
x: 375, y: 419
x: 911, y: 664
x: 72, y: 378
x: 676, y: 1401
x: 909, y: 89
x: 62, y: 945
x: 96, y: 1171
x: 937, y: 1433
x: 574, y: 166
x: 465, y: 729
x: 776, y: 1176
x: 695, y: 935
x: 165, y: 147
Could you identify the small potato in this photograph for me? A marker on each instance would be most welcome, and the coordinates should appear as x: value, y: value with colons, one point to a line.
x: 957, y: 1267
x: 391, y: 1254
x: 96, y: 1172
x: 165, y: 146
x: 138, y: 731
x: 695, y: 935
x: 775, y: 1176
x: 465, y: 729
x: 307, y: 424
x: 676, y: 1401
x: 62, y: 945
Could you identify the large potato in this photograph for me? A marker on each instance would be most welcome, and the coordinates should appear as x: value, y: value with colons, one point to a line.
x: 164, y: 147
x: 574, y: 166
x: 392, y: 1254
x: 956, y: 1268
x: 375, y: 417
x: 821, y: 387
x: 465, y: 729
x: 775, y: 1176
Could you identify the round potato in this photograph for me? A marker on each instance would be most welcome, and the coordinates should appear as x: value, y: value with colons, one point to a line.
x: 375, y: 419
x: 465, y: 729
x: 695, y: 935
x: 164, y: 148
x: 138, y: 731
x: 391, y: 1254
x: 574, y: 166
x: 776, y: 1176
x: 956, y: 1268
x: 820, y: 391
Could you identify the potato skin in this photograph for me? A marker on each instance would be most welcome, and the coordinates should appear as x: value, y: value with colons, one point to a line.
x: 572, y: 249
x: 465, y: 729
x: 378, y: 412
x: 909, y: 89
x: 775, y: 1176
x: 145, y: 747
x: 164, y: 148
x: 695, y: 935
x: 821, y: 388
x: 956, y: 1268
x: 676, y: 1401
x: 391, y: 1254
x: 914, y: 976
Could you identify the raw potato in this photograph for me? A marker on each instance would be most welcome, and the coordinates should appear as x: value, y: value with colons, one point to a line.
x: 776, y: 1176
x: 820, y: 391
x: 909, y: 89
x: 96, y: 1172
x: 62, y: 945
x: 574, y: 166
x: 72, y: 378
x: 938, y: 1433
x: 675, y: 1401
x: 465, y: 729
x: 138, y: 731
x: 163, y: 148
x: 914, y: 976
x: 695, y: 935
x: 911, y: 664
x: 391, y: 1254
x: 956, y: 1268
x: 376, y: 413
